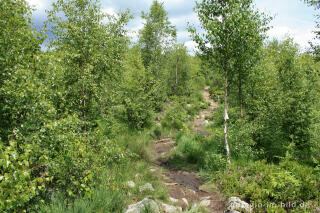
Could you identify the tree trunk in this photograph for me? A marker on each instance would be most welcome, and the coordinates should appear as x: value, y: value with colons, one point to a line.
x: 226, y: 117
x: 177, y: 71
x: 240, y: 97
x: 84, y: 104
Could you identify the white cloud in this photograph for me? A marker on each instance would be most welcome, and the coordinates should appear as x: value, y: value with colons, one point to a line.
x: 109, y: 10
x: 293, y: 17
x: 191, y: 46
x: 37, y: 4
x: 300, y: 35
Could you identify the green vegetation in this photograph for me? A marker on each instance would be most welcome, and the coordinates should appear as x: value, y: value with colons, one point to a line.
x: 273, y: 117
x: 78, y: 119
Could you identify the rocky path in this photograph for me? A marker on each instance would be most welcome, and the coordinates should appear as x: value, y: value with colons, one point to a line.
x: 185, y: 188
x: 200, y: 121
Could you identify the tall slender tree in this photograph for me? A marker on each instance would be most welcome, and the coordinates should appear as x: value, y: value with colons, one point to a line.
x: 156, y: 34
x: 233, y: 30
x: 91, y: 50
x: 155, y: 38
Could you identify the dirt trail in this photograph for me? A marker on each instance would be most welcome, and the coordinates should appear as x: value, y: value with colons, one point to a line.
x: 185, y: 188
x: 200, y: 121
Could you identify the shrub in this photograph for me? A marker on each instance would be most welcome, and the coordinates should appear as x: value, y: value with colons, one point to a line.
x: 259, y: 182
x: 137, y: 90
x: 18, y: 184
x: 175, y: 118
x: 214, y: 162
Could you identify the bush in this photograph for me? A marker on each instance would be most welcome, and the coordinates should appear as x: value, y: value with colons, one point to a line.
x: 61, y: 157
x: 175, y: 118
x: 190, y: 148
x: 72, y: 161
x: 137, y: 90
x: 214, y: 162
x: 259, y: 182
x: 18, y: 183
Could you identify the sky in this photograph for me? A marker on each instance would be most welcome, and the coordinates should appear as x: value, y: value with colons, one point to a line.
x: 291, y: 17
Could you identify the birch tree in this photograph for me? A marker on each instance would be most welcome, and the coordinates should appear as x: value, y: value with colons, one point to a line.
x: 232, y: 30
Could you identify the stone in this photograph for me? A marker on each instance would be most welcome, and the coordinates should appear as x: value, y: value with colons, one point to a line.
x: 146, y: 187
x: 131, y: 184
x: 192, y: 191
x: 206, y: 122
x: 195, y: 205
x: 205, y: 203
x: 141, y: 206
x: 235, y: 204
x: 205, y: 198
x: 173, y: 200
x: 185, y: 201
x: 152, y: 169
x: 170, y: 209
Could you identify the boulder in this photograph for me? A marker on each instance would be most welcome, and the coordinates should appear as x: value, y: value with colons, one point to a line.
x: 173, y: 200
x: 170, y: 209
x: 235, y: 205
x: 205, y: 203
x: 131, y: 184
x: 146, y: 187
x: 185, y: 201
x: 141, y: 206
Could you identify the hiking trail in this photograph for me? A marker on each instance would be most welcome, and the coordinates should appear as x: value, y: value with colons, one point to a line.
x: 185, y: 187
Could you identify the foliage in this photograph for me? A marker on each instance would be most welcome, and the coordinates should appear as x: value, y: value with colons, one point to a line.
x: 77, y: 118
x: 267, y: 184
x: 91, y: 52
x: 179, y: 65
x: 19, y: 44
x: 214, y: 162
x: 175, y: 118
x: 137, y: 91
x: 155, y: 38
x: 102, y: 201
x: 156, y: 34
x: 234, y: 33
x: 190, y: 148
x: 18, y: 183
x: 315, y: 3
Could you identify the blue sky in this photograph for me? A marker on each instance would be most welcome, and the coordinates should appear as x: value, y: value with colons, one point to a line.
x: 292, y: 17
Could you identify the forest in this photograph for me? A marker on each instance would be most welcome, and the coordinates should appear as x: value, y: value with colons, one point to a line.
x: 96, y: 121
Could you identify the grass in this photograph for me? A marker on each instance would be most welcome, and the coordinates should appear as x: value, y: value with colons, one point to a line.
x: 113, y: 194
x: 101, y: 201
x: 198, y: 209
